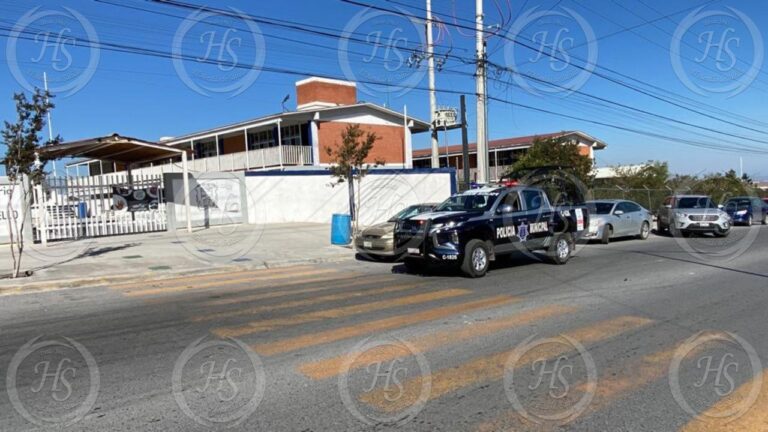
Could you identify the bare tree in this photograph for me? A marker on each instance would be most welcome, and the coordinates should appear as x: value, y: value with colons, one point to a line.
x: 350, y: 166
x: 24, y: 165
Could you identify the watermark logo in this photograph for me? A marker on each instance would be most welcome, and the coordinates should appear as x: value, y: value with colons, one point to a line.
x: 53, y: 382
x: 707, y: 367
x: 560, y: 50
x: 62, y: 43
x: 227, y: 220
x: 379, y: 393
x: 217, y: 52
x: 381, y: 52
x: 558, y: 384
x: 717, y: 51
x: 218, y: 382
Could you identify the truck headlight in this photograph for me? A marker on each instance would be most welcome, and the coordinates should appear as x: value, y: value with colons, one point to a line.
x: 680, y: 215
x: 741, y: 212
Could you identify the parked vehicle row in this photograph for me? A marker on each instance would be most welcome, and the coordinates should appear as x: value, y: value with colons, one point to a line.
x: 473, y: 228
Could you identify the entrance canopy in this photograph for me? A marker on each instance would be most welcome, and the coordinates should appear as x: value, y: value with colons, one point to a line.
x: 113, y: 148
x: 126, y: 150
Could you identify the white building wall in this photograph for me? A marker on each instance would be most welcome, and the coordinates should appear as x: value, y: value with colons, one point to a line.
x: 310, y: 197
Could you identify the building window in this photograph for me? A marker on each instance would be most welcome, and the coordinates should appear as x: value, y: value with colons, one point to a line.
x: 261, y: 139
x: 291, y: 135
x: 205, y: 149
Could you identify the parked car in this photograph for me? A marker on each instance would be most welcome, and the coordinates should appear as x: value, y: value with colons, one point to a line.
x: 687, y: 214
x: 618, y: 218
x: 378, y: 240
x: 471, y: 229
x: 746, y: 210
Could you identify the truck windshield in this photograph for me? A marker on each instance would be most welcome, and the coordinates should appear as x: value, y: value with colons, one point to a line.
x: 695, y: 203
x: 478, y: 202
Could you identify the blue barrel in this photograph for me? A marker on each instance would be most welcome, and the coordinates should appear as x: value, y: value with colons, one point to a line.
x: 82, y: 210
x: 341, y: 229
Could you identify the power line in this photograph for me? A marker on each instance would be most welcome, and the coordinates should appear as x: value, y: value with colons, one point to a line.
x: 585, y: 68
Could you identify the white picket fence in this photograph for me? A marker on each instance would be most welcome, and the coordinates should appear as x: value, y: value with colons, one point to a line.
x: 67, y: 208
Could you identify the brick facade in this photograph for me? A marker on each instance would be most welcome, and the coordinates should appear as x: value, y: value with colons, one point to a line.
x: 390, y: 147
x: 311, y: 92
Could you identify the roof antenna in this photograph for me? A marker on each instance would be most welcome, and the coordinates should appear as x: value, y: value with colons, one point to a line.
x: 285, y: 99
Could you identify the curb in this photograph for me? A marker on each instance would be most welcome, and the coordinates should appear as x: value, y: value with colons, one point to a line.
x: 45, y: 286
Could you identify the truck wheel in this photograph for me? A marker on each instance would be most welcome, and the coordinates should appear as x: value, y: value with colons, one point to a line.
x: 765, y: 219
x: 750, y: 222
x: 561, y: 249
x: 645, y: 231
x: 476, y: 259
x: 607, y: 233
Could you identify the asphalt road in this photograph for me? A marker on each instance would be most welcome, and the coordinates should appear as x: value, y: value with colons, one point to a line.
x: 658, y: 335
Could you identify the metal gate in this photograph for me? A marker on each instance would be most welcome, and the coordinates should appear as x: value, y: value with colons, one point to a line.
x: 68, y: 208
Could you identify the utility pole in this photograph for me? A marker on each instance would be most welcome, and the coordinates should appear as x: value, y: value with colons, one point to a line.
x: 482, y: 121
x: 50, y: 126
x: 464, y: 141
x: 432, y: 95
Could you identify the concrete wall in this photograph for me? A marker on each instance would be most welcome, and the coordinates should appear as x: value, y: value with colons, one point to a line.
x: 308, y: 196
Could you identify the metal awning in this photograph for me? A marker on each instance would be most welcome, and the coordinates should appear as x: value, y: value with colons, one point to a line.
x: 113, y: 148
x: 127, y: 150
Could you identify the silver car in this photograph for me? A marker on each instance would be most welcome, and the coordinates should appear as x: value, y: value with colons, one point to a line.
x: 378, y: 240
x: 610, y: 219
x: 688, y: 214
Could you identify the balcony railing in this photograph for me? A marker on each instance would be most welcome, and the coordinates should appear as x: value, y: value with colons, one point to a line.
x: 291, y: 155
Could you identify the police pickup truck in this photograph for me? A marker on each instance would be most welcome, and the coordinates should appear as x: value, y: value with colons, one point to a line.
x: 473, y: 228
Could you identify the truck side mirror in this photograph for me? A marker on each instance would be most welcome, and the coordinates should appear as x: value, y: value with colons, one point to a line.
x: 668, y: 206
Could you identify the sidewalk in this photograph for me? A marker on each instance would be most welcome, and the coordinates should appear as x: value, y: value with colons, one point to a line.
x: 166, y: 254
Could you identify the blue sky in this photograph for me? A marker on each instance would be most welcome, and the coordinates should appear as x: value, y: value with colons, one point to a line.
x: 697, y: 58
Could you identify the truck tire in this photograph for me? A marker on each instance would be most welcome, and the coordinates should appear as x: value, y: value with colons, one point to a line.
x: 561, y: 249
x: 476, y: 259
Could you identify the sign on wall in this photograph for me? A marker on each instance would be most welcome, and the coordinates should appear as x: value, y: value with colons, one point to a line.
x: 6, y: 215
x: 214, y: 199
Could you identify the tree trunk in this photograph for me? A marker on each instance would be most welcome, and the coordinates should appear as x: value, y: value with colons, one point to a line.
x: 12, y: 231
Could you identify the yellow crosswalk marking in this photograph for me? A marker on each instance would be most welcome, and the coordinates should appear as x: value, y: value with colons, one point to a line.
x: 331, y: 367
x: 754, y: 420
x: 491, y: 368
x: 612, y: 385
x: 281, y: 291
x: 306, y: 302
x: 328, y: 336
x: 264, y: 325
x: 194, y: 286
x: 198, y: 278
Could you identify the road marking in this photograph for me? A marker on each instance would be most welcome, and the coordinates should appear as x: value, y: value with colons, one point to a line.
x: 328, y: 336
x: 307, y: 302
x: 491, y: 368
x: 193, y: 286
x: 281, y: 292
x: 156, y: 283
x: 754, y: 420
x: 264, y: 325
x: 331, y: 367
x: 613, y: 384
